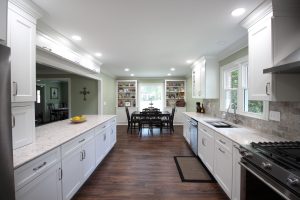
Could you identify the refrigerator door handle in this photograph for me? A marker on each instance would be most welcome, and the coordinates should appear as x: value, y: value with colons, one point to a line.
x: 16, y: 88
x: 13, y: 121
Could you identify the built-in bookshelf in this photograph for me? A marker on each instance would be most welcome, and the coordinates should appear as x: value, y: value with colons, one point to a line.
x: 175, y: 92
x: 126, y: 93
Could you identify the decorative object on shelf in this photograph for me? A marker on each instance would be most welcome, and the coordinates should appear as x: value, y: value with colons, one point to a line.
x: 180, y: 103
x: 53, y: 93
x: 198, y: 107
x: 84, y: 93
x: 202, y: 110
x: 127, y: 104
x: 126, y: 91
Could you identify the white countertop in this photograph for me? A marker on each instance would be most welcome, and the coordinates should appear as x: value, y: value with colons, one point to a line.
x: 240, y: 135
x: 52, y: 135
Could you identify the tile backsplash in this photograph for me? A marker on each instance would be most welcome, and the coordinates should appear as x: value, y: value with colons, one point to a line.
x: 288, y: 127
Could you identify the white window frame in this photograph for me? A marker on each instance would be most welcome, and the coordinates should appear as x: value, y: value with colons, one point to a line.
x: 240, y: 65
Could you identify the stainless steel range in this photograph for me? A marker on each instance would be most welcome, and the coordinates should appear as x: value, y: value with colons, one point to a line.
x: 271, y: 170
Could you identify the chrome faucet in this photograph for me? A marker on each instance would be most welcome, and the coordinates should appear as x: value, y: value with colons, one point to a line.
x: 234, y: 107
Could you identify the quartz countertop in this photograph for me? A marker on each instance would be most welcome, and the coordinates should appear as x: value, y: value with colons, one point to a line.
x: 54, y: 134
x: 240, y: 135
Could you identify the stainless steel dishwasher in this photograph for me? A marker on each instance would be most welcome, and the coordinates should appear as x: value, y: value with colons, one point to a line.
x: 194, y: 136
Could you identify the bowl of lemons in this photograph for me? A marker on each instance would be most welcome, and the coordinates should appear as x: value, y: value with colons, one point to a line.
x: 78, y: 119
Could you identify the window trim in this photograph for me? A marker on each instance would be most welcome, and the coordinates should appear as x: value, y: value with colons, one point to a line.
x: 238, y: 64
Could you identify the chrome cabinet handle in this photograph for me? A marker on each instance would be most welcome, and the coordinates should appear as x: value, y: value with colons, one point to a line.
x: 16, y: 88
x: 222, y: 142
x: 39, y: 167
x: 267, y: 88
x: 221, y: 150
x: 293, y: 181
x: 104, y: 137
x: 13, y: 121
x: 60, y: 174
x: 81, y: 140
x: 46, y: 48
x: 84, y: 154
x: 81, y: 155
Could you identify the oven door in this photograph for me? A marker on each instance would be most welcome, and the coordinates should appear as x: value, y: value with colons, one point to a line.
x: 257, y: 185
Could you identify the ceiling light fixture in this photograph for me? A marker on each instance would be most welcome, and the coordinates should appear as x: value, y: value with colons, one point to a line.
x: 76, y: 37
x: 189, y: 61
x: 126, y: 69
x: 98, y: 54
x: 238, y: 12
x: 131, y: 74
x: 172, y: 69
x: 169, y: 74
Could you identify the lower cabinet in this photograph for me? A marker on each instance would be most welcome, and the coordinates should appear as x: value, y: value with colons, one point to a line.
x: 47, y: 186
x: 100, y: 143
x: 206, y: 146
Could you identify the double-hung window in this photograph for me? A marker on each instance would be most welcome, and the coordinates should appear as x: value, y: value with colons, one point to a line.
x: 234, y: 91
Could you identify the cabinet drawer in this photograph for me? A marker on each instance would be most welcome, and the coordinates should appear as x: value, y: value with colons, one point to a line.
x: 112, y: 121
x: 77, y: 142
x: 31, y: 170
x: 224, y: 142
x: 204, y: 128
x: 101, y: 127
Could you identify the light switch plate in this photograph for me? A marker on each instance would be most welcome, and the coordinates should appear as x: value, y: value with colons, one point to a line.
x: 274, y: 115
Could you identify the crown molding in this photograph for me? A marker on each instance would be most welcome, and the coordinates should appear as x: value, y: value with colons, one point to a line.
x: 233, y: 48
x: 259, y: 13
x: 29, y: 7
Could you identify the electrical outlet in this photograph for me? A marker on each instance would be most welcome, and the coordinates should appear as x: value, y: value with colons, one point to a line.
x: 274, y: 115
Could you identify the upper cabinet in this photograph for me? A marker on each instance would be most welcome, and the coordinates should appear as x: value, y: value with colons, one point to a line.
x: 205, y: 78
x: 273, y: 34
x: 21, y: 32
x: 3, y: 20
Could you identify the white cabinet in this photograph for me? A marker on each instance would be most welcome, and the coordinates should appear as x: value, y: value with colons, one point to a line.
x: 21, y: 34
x: 23, y: 127
x: 205, y: 78
x: 3, y: 20
x: 112, y: 135
x: 47, y: 186
x: 78, y: 162
x: 236, y: 176
x: 100, y: 142
x: 271, y: 38
x: 223, y: 163
x: 206, y: 146
x: 40, y: 178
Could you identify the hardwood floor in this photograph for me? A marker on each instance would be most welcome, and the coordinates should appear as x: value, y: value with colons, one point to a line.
x: 144, y: 169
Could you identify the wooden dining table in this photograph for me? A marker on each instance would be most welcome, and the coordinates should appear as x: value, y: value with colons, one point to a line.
x: 137, y: 114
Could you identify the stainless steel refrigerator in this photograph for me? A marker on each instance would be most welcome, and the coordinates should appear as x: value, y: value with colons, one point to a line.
x: 7, y: 191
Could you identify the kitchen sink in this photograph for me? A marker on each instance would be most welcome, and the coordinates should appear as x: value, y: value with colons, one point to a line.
x: 220, y: 124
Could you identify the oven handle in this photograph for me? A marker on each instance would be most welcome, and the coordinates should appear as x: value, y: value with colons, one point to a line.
x: 263, y: 180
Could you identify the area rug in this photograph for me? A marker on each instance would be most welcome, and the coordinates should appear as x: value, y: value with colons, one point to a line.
x: 191, y: 169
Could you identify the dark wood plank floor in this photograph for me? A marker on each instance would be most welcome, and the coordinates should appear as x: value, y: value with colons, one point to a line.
x: 144, y: 169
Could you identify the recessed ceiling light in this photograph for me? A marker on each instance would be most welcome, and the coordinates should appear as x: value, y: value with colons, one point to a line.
x: 76, y: 37
x: 189, y: 61
x: 172, y: 69
x: 238, y: 12
x: 131, y: 74
x: 126, y: 69
x: 169, y: 74
x: 98, y: 54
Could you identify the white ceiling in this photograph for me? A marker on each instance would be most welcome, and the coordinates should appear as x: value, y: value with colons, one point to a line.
x: 148, y: 36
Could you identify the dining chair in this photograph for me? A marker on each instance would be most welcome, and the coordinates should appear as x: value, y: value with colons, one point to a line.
x: 172, y: 120
x: 149, y: 120
x: 52, y: 114
x: 132, y: 121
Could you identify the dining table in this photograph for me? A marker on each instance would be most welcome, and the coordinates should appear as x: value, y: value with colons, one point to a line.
x: 137, y: 114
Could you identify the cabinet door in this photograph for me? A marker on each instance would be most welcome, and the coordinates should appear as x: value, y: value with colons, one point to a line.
x: 100, y: 146
x: 72, y: 173
x: 21, y: 39
x: 88, y: 158
x: 107, y: 140
x: 236, y: 176
x: 23, y: 125
x: 201, y: 143
x: 260, y: 57
x: 208, y: 143
x: 223, y: 168
x: 196, y: 82
x: 113, y: 135
x: 47, y: 186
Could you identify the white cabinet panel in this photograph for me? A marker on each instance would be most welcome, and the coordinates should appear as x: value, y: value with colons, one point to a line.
x: 88, y: 158
x: 113, y: 135
x: 100, y: 139
x: 47, y: 186
x: 23, y: 130
x: 223, y: 167
x: 72, y: 173
x: 21, y: 35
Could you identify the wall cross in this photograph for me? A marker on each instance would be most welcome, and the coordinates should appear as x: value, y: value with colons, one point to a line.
x: 84, y: 93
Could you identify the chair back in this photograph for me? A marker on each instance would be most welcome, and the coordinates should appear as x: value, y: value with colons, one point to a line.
x: 50, y: 107
x: 173, y: 113
x: 127, y: 114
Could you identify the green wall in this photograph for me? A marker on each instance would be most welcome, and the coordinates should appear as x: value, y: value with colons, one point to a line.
x: 109, y: 94
x: 78, y: 105
x: 239, y: 54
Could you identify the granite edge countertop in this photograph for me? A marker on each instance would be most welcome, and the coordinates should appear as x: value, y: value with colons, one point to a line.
x: 239, y: 134
x: 53, y: 135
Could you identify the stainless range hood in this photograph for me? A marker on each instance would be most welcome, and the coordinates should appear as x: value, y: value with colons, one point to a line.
x: 289, y: 65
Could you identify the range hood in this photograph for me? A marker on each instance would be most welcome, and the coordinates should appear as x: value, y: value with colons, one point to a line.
x: 289, y: 65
